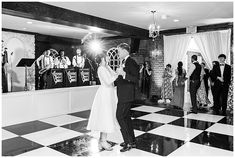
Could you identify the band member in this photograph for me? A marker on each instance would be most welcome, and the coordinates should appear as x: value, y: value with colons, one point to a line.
x: 222, y: 77
x: 62, y: 61
x: 78, y: 60
x: 44, y: 63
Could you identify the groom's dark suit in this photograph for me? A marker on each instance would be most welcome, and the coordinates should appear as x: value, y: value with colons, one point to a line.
x: 126, y: 94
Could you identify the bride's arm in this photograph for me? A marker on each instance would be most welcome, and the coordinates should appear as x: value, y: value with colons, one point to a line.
x: 105, y: 76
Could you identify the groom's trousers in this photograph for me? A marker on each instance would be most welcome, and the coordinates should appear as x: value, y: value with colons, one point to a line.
x: 124, y: 120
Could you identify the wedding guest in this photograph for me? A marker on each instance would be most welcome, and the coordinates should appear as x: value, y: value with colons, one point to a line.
x: 194, y: 81
x: 202, y: 98
x: 222, y: 77
x: 212, y: 81
x: 206, y: 78
x: 179, y: 83
x: 167, y: 90
x: 146, y: 72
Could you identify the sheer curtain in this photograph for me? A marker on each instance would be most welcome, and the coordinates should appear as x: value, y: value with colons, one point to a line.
x: 213, y: 43
x: 175, y: 49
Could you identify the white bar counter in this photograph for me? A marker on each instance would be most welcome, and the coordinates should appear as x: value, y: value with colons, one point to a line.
x: 25, y: 106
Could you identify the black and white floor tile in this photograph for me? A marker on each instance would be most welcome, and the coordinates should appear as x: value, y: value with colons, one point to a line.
x: 159, y: 131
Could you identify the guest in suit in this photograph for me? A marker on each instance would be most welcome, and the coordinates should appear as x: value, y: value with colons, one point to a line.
x: 212, y: 81
x: 126, y: 81
x: 222, y: 77
x: 194, y: 81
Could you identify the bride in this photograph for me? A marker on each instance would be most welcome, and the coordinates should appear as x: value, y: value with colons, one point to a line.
x: 103, y: 111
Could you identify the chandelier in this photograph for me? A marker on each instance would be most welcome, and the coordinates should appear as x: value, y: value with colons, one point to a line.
x: 154, y: 29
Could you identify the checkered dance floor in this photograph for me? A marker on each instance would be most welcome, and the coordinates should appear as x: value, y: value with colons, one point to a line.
x: 159, y: 132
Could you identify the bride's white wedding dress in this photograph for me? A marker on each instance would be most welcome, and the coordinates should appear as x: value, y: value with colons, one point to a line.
x: 103, y: 112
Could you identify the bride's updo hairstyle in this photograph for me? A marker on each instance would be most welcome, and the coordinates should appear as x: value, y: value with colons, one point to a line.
x: 99, y: 57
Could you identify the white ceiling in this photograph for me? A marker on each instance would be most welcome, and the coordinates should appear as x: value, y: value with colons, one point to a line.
x: 138, y: 13
x: 18, y: 23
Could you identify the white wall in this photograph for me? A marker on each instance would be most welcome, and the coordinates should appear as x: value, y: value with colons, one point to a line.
x: 27, y: 106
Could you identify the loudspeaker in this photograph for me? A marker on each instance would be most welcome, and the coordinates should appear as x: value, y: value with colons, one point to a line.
x: 135, y: 43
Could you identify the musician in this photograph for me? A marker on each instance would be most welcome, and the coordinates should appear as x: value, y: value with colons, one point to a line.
x: 62, y: 61
x: 44, y: 63
x: 78, y: 60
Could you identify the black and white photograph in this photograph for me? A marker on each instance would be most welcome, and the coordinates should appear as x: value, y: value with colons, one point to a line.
x: 117, y: 78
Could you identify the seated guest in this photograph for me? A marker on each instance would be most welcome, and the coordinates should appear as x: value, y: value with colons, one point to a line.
x: 167, y: 90
x: 222, y: 77
x: 179, y: 83
x: 44, y: 63
x: 62, y: 61
x: 78, y: 59
x: 212, y: 81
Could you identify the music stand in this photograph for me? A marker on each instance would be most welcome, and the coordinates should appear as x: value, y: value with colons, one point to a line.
x: 25, y: 62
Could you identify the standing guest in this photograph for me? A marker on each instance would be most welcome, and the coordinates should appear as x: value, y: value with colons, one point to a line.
x: 194, y: 79
x: 62, y: 61
x: 212, y: 81
x: 44, y: 63
x: 78, y: 60
x: 206, y: 78
x: 179, y: 82
x: 127, y: 80
x: 222, y: 77
x: 167, y: 90
x: 4, y: 72
x: 146, y: 72
x: 201, y: 92
x: 102, y: 117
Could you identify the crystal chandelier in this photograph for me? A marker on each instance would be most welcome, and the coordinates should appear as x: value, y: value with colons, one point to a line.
x: 153, y: 28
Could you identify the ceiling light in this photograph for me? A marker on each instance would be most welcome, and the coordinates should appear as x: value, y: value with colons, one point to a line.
x: 164, y: 16
x: 24, y: 28
x: 29, y: 22
x: 95, y: 29
x: 154, y: 29
x: 176, y: 20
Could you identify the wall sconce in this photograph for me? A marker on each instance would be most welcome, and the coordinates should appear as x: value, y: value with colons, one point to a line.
x: 155, y: 53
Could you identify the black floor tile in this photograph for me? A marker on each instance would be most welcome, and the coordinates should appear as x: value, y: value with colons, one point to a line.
x: 18, y: 145
x: 82, y: 114
x: 144, y: 125
x: 156, y: 144
x: 79, y: 146
x: 136, y: 114
x: 28, y: 127
x: 172, y: 112
x: 78, y: 126
x: 214, y: 140
x: 227, y: 120
x: 190, y: 123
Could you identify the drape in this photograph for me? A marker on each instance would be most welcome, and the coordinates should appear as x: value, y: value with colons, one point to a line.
x: 213, y: 43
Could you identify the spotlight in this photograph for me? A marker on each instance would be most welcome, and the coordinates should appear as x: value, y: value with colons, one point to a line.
x: 95, y: 46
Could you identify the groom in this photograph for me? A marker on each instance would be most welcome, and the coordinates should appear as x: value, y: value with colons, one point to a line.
x: 128, y: 77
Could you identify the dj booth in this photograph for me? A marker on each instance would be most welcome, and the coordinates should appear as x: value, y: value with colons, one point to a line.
x: 71, y: 77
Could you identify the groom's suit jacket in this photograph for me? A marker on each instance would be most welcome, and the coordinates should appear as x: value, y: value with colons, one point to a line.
x: 126, y: 87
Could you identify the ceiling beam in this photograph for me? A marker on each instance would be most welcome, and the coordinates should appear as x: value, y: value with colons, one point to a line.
x: 48, y: 13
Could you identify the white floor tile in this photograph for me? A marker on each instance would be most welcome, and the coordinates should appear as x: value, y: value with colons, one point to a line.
x: 45, y: 151
x: 176, y: 132
x: 52, y: 135
x: 161, y: 118
x: 150, y: 109
x: 221, y: 128
x: 138, y: 133
x: 62, y: 120
x: 7, y: 135
x: 115, y: 137
x: 194, y: 149
x: 204, y: 117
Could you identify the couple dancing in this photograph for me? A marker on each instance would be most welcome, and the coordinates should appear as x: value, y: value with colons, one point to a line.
x: 111, y: 107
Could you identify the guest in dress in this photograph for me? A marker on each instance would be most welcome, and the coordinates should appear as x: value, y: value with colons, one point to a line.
x: 103, y: 112
x: 146, y: 72
x: 212, y: 81
x: 206, y: 78
x: 179, y: 83
x: 167, y: 90
x: 202, y: 98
